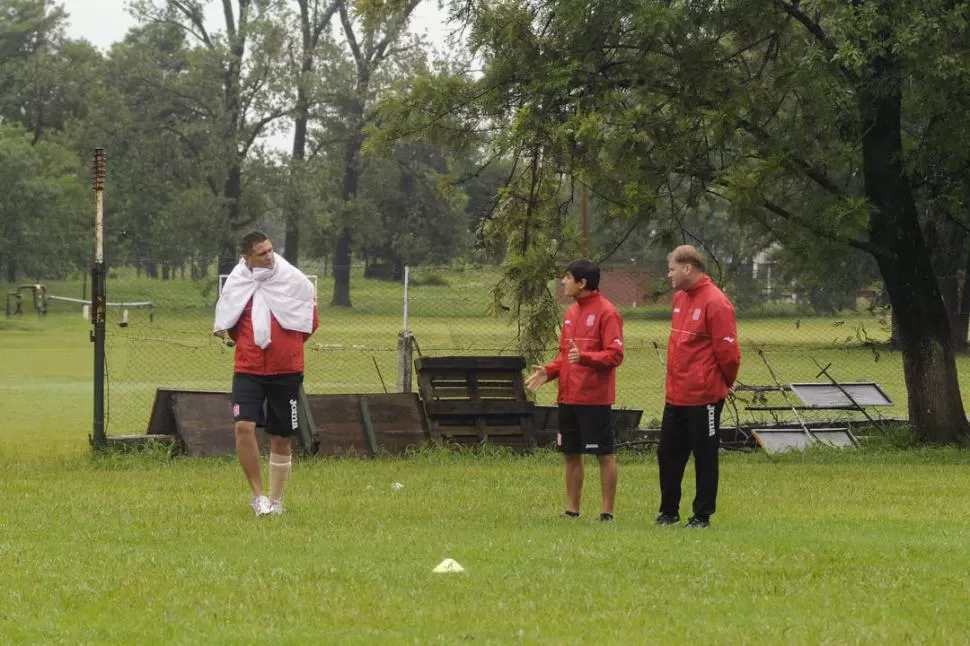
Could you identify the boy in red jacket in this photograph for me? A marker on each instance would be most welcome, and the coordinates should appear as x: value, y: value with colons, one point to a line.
x: 703, y: 358
x: 590, y: 349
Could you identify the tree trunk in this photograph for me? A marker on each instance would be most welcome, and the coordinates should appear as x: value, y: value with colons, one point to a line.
x: 302, y: 111
x: 292, y: 242
x: 929, y: 366
x: 11, y: 270
x: 961, y: 329
x: 341, y: 271
x: 948, y: 248
x: 228, y: 256
x: 341, y: 255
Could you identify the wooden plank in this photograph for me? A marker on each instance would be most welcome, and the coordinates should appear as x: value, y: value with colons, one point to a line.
x: 484, y: 392
x: 368, y: 426
x: 483, y: 408
x: 487, y: 430
x: 471, y: 362
x: 513, y: 442
x: 456, y: 376
x: 308, y: 428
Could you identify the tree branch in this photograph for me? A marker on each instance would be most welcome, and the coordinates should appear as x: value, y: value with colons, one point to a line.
x: 793, y: 10
x: 351, y: 38
x: 196, y: 20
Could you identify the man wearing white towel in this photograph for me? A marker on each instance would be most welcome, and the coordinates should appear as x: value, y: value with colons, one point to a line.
x: 268, y: 308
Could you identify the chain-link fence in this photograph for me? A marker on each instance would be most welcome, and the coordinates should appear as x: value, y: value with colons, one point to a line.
x: 159, y: 336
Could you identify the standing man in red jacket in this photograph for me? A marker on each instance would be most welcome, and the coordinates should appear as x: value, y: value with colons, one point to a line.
x: 703, y: 358
x: 268, y: 308
x: 590, y: 349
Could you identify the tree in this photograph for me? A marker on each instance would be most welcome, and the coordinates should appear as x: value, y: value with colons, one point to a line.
x: 793, y: 118
x: 314, y: 20
x: 246, y: 61
x: 371, y: 41
x: 420, y: 216
x: 41, y: 207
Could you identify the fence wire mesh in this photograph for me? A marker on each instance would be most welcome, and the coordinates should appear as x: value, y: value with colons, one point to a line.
x: 169, y: 343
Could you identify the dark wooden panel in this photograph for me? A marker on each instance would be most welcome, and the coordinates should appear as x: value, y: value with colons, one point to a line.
x: 340, y: 427
x: 396, y: 418
x: 205, y: 425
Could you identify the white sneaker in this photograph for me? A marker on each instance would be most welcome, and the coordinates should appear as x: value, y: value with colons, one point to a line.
x: 261, y: 505
x: 275, y: 508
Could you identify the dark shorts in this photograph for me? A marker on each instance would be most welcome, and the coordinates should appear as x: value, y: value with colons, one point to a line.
x: 586, y: 429
x: 281, y: 395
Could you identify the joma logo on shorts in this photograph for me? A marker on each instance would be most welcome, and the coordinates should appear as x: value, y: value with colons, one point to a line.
x: 294, y: 416
x: 592, y: 446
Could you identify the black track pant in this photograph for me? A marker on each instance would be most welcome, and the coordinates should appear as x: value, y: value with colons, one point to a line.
x: 686, y: 430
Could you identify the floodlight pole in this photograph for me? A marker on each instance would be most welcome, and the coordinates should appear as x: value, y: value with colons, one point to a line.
x: 98, y: 439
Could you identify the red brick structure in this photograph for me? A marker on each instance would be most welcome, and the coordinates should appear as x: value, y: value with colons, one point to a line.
x: 628, y: 286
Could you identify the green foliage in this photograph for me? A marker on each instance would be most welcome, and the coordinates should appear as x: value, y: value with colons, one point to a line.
x: 41, y: 216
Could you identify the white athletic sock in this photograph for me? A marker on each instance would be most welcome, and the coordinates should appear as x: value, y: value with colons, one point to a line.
x: 279, y: 471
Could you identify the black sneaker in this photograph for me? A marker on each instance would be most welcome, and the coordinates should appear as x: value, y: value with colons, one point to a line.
x: 606, y: 518
x: 697, y: 522
x: 666, y: 519
x: 570, y: 514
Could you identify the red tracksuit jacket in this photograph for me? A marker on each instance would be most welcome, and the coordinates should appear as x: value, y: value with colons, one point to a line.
x: 703, y: 356
x: 283, y: 356
x: 597, y: 328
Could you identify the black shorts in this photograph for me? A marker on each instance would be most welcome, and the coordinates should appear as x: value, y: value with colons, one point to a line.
x: 586, y: 429
x: 281, y: 394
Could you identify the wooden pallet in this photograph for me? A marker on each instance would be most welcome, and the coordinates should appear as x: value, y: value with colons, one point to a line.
x: 474, y: 400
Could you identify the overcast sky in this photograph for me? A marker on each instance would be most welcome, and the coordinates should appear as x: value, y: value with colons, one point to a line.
x: 103, y: 22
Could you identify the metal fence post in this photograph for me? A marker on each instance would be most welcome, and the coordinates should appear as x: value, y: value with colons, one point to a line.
x: 405, y: 344
x: 98, y: 439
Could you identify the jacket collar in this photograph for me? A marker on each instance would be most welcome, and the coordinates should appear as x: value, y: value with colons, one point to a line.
x: 701, y: 282
x: 589, y: 298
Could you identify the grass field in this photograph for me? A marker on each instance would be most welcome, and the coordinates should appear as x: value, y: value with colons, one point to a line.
x: 817, y: 549
x: 825, y: 547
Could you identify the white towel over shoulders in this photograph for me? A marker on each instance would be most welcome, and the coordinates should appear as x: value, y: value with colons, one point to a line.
x: 283, y: 292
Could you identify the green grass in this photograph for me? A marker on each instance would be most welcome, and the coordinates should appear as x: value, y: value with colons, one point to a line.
x: 816, y: 549
x: 825, y: 547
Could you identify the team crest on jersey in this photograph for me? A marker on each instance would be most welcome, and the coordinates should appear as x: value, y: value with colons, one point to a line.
x: 696, y: 315
x: 590, y: 319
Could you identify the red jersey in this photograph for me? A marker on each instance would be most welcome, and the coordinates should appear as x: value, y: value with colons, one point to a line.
x: 703, y: 356
x: 284, y: 354
x: 597, y: 328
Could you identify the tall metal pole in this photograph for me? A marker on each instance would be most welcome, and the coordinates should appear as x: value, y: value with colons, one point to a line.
x: 99, y: 439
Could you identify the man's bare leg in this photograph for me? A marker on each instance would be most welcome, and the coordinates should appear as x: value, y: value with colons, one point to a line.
x: 574, y: 482
x: 247, y: 450
x: 280, y: 465
x: 608, y: 477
